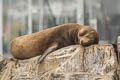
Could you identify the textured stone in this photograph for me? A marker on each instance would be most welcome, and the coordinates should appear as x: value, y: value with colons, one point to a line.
x: 118, y: 47
x: 96, y: 62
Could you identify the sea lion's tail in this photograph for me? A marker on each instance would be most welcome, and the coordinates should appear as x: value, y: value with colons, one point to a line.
x: 15, y: 47
x: 12, y: 46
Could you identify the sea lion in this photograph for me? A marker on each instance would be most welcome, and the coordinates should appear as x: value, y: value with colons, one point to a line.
x: 48, y: 40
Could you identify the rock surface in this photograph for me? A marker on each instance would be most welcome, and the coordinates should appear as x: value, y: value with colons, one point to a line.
x: 96, y: 62
x: 118, y: 47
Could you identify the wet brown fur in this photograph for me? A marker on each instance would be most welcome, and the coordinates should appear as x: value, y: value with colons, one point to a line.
x: 35, y: 44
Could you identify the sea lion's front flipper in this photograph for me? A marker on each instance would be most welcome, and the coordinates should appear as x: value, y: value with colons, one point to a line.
x: 53, y: 47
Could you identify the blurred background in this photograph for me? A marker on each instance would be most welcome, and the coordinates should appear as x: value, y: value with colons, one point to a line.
x: 20, y: 17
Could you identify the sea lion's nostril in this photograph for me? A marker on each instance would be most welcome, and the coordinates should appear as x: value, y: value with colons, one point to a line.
x: 81, y: 42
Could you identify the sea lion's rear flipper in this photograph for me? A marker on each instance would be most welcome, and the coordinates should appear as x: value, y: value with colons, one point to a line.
x: 53, y: 47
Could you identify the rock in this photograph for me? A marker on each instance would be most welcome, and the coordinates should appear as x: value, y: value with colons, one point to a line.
x: 118, y: 47
x: 96, y: 62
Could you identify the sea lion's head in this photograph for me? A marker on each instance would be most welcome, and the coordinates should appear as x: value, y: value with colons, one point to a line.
x: 87, y: 36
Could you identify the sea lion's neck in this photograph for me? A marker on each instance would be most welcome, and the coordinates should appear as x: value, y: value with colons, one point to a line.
x: 74, y: 35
